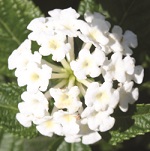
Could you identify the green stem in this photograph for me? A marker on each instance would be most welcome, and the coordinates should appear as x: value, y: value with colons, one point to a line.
x: 71, y: 52
x: 59, y: 75
x: 86, y: 46
x: 65, y: 64
x: 54, y: 67
x: 47, y: 95
x: 82, y: 89
x: 85, y: 82
x: 71, y: 81
x: 60, y: 84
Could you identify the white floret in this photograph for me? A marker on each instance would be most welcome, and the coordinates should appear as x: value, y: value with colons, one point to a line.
x: 66, y: 21
x: 14, y: 59
x: 98, y: 121
x: 48, y: 126
x: 122, y: 43
x: 68, y: 122
x: 35, y: 104
x: 128, y: 95
x: 88, y: 64
x: 56, y: 46
x: 120, y: 69
x: 25, y: 120
x: 40, y: 27
x: 101, y: 96
x: 67, y: 98
x: 35, y: 77
x: 86, y: 135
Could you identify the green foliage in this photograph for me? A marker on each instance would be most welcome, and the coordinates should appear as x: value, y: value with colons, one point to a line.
x: 42, y: 143
x: 8, y: 142
x: 15, y: 15
x: 9, y: 99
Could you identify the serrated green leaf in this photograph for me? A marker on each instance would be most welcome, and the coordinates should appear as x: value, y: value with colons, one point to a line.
x: 15, y: 15
x: 130, y: 124
x: 9, y: 99
x: 73, y: 147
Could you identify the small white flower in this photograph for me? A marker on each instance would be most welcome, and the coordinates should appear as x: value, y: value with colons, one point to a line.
x: 68, y: 13
x: 129, y: 41
x: 88, y: 64
x: 66, y: 98
x: 14, y: 60
x: 25, y: 59
x: 138, y: 74
x: 35, y: 77
x: 25, y: 120
x: 68, y: 122
x: 97, y: 20
x: 56, y: 46
x: 91, y: 138
x: 122, y: 70
x: 101, y: 96
x: 66, y: 21
x: 123, y: 43
x: 129, y: 64
x: 49, y: 126
x: 115, y: 38
x: 98, y: 121
x: 93, y: 35
x: 40, y: 28
x: 128, y: 95
x: 88, y: 136
x: 33, y: 109
x: 96, y: 30
x: 118, y: 68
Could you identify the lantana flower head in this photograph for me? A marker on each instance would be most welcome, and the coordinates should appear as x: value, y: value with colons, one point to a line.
x: 79, y: 73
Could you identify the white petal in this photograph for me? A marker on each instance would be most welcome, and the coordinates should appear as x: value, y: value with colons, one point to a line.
x: 24, y: 120
x: 138, y: 74
x: 130, y: 39
x: 91, y: 138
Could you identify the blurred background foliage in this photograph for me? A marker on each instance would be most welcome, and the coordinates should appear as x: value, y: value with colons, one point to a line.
x: 131, y: 15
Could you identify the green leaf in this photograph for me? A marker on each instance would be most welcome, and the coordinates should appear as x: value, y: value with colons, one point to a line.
x: 130, y: 124
x: 55, y: 143
x: 15, y: 15
x: 8, y: 142
x: 9, y: 99
x: 73, y: 147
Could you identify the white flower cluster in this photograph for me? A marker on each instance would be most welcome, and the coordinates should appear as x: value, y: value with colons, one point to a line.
x: 79, y: 73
